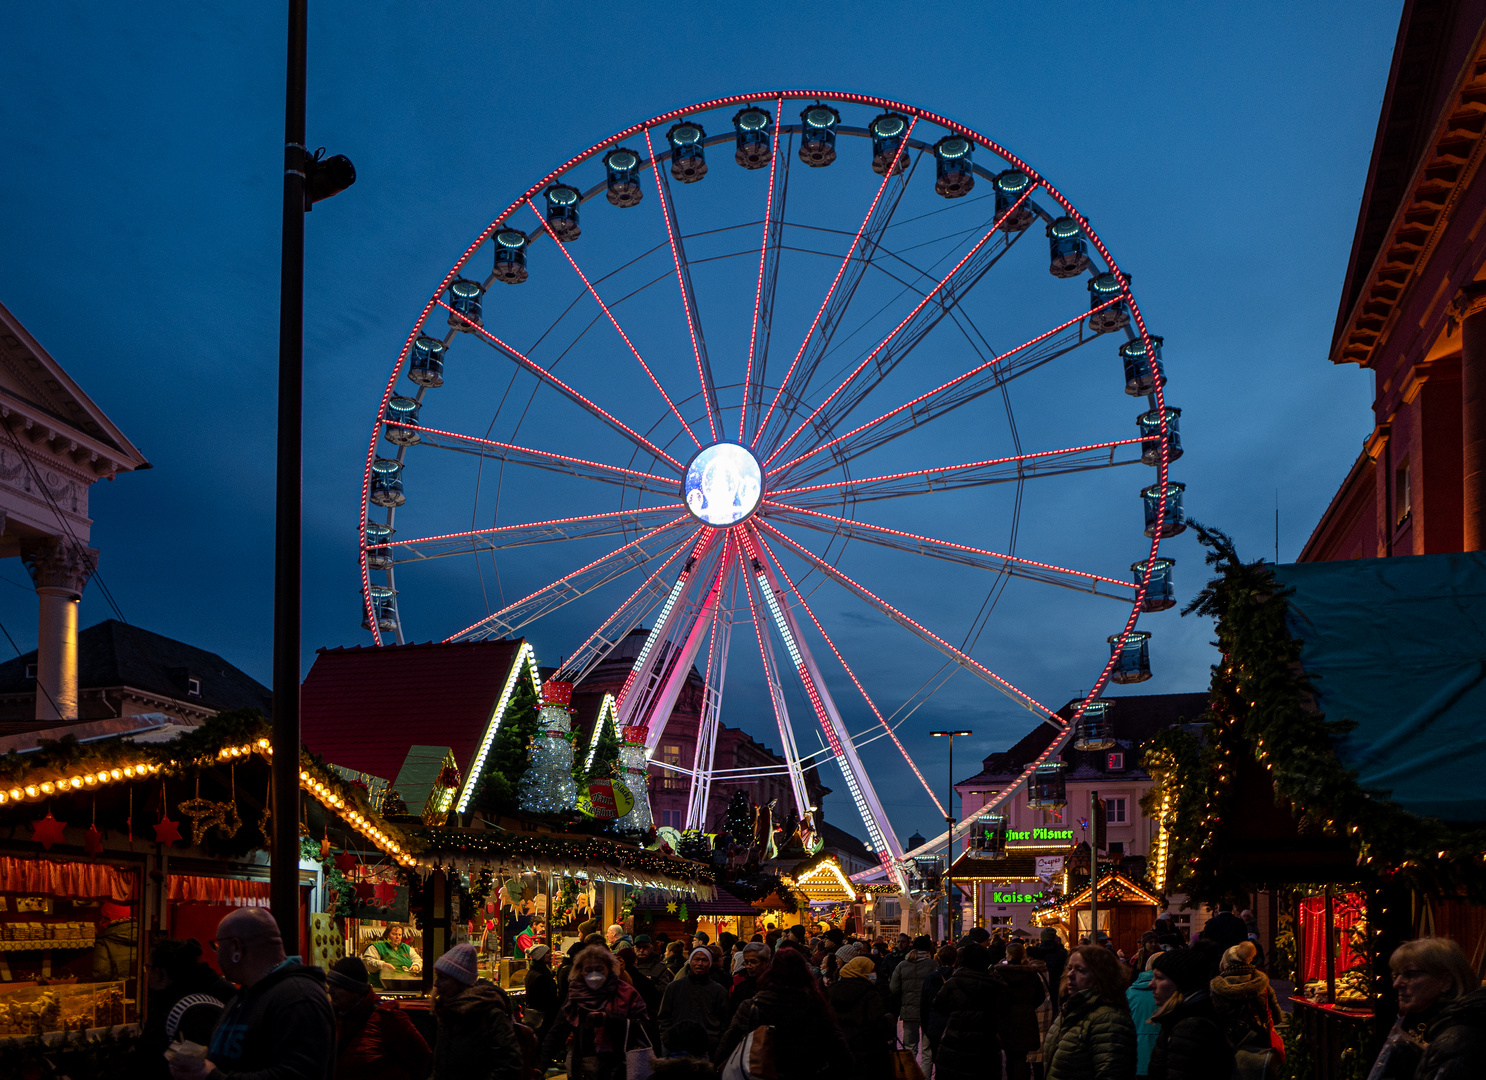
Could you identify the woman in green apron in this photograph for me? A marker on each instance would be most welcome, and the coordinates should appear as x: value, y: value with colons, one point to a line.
x: 390, y: 955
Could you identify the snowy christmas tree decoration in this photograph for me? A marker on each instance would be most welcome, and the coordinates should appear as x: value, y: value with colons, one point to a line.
x: 547, y: 786
x: 632, y: 772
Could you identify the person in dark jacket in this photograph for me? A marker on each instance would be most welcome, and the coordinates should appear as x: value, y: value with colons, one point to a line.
x: 1247, y: 1009
x: 1092, y: 1037
x: 1441, y: 1028
x: 1192, y: 1044
x: 373, y: 1041
x: 808, y: 1044
x: 864, y: 1018
x: 280, y: 1020
x: 972, y: 1002
x: 186, y: 998
x: 598, y: 1020
x: 651, y: 963
x: 756, y: 958
x: 476, y: 1040
x: 933, y: 1020
x: 905, y: 989
x: 1225, y: 928
x: 1050, y: 951
x: 1025, y: 990
x: 695, y: 996
x: 540, y: 1004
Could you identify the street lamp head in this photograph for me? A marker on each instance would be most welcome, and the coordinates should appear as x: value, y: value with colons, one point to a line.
x: 951, y: 734
x: 326, y: 176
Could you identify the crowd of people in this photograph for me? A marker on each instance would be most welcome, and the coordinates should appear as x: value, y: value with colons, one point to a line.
x: 787, y: 1005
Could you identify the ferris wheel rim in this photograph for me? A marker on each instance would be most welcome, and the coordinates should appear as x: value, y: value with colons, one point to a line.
x: 1037, y: 182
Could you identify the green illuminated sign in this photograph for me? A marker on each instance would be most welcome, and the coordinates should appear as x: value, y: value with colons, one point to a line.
x: 1041, y: 834
x: 998, y: 897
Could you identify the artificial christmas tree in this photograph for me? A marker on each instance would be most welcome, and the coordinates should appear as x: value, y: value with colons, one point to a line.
x: 547, y: 786
x: 630, y: 769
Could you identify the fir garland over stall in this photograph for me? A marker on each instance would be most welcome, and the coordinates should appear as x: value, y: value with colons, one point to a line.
x: 1259, y: 706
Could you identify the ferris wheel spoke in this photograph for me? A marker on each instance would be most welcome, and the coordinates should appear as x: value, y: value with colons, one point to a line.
x: 688, y: 294
x: 827, y: 317
x: 648, y: 668
x: 963, y: 388
x: 953, y: 477
x: 776, y: 695
x: 768, y: 280
x: 473, y: 541
x: 566, y: 464
x: 719, y: 636
x: 582, y: 581
x: 981, y: 559
x: 945, y: 294
x: 629, y: 615
x: 800, y: 601
x: 615, y: 322
x: 863, y: 593
x: 567, y: 391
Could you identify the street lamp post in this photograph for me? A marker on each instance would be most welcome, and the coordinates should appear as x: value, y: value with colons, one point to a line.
x: 949, y: 840
x: 307, y: 179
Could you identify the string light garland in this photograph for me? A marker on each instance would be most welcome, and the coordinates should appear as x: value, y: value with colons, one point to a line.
x: 1261, y: 707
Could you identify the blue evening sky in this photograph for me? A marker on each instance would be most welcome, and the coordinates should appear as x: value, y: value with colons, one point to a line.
x: 1219, y: 149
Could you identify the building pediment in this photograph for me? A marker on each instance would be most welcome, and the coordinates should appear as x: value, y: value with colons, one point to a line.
x: 41, y: 405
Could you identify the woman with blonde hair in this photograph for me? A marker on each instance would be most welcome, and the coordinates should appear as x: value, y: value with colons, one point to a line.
x: 1441, y: 1028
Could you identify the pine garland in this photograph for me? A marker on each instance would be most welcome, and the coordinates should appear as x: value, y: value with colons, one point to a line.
x: 1259, y: 699
x: 495, y: 791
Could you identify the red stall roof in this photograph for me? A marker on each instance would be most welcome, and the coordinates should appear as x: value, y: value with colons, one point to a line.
x: 364, y: 707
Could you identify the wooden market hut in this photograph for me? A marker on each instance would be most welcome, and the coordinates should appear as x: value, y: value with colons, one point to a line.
x: 1341, y: 776
x: 1127, y: 909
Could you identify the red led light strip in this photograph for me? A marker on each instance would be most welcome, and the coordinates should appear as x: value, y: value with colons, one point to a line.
x: 763, y: 254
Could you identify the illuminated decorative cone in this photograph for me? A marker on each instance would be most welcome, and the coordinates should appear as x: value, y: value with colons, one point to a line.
x: 547, y: 786
x: 631, y: 770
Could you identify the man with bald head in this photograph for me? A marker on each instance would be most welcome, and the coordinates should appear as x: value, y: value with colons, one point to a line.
x: 280, y: 1025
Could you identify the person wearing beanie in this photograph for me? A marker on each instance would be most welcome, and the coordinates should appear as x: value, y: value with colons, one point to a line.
x: 600, y: 1019
x: 1026, y: 989
x: 373, y: 1041
x: 1050, y: 951
x: 541, y: 1001
x: 1244, y: 1004
x: 905, y: 987
x: 864, y: 1018
x: 475, y: 1036
x: 1192, y: 1044
x: 694, y: 995
x: 971, y: 1002
x: 1092, y: 1037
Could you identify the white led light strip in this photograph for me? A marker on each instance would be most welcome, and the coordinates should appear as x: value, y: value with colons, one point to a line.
x: 607, y: 713
x: 526, y: 659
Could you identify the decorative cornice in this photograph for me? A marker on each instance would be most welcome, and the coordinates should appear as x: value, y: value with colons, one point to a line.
x: 1440, y: 178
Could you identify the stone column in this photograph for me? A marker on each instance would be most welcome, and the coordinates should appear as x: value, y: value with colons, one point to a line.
x: 1471, y: 306
x: 61, y: 569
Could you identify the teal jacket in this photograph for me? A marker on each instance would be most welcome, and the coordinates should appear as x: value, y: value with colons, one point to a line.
x: 1142, y: 1004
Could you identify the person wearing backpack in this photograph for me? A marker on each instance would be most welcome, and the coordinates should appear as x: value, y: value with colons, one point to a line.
x: 864, y: 1018
x: 1248, y: 1012
x: 802, y: 1034
x: 972, y: 1003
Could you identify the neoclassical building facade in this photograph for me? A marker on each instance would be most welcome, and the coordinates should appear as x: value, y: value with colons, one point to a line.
x: 55, y: 443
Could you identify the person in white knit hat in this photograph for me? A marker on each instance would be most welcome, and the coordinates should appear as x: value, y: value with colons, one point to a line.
x: 475, y: 1037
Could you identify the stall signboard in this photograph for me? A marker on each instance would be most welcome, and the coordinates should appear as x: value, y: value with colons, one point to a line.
x: 1049, y: 866
x: 376, y: 908
x: 1019, y: 893
x: 1040, y: 834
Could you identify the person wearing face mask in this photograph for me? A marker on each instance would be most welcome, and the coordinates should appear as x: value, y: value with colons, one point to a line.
x: 475, y: 1038
x: 598, y: 1022
x: 1441, y: 1028
x: 864, y: 1017
x: 694, y: 995
x: 279, y: 1023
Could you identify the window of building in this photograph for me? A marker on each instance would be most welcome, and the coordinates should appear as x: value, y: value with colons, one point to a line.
x: 1114, y: 811
x: 1117, y: 761
x: 1402, y: 505
x: 999, y: 920
x: 671, y: 818
x: 671, y: 755
x: 1117, y: 847
x: 1182, y: 922
x: 193, y: 687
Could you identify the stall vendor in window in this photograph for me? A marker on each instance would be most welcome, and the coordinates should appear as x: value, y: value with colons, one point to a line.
x: 392, y: 956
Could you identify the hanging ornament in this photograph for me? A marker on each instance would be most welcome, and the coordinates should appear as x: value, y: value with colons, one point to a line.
x: 265, y: 820
x: 232, y: 822
x: 684, y: 915
x: 47, y: 831
x: 345, y: 862
x: 325, y: 845
x: 166, y: 830
x: 671, y: 908
x: 129, y: 822
x: 204, y: 814
x: 92, y: 842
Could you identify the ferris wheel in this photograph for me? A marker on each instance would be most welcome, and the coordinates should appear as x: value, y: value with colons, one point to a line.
x: 759, y: 358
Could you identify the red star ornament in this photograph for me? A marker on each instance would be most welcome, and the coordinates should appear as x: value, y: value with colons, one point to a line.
x: 167, y: 831
x: 365, y: 890
x: 92, y: 841
x: 47, y: 831
x: 345, y: 862
x: 386, y: 891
